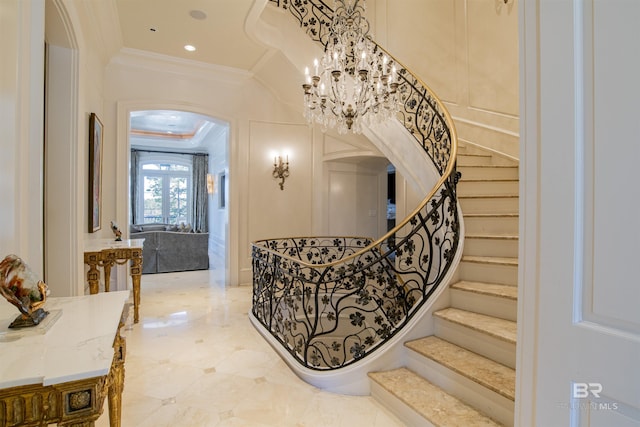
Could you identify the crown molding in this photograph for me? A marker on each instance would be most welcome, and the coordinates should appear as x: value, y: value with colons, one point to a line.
x: 135, y: 58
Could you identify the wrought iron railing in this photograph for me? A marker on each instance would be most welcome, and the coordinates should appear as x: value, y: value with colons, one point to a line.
x: 331, y: 301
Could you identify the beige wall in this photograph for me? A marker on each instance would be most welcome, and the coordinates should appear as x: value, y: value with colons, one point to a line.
x: 354, y: 187
x: 260, y: 127
x: 257, y: 122
x: 134, y: 81
x: 273, y: 212
x: 467, y: 52
x: 75, y: 72
x: 21, y: 130
x: 578, y: 294
x: 356, y: 197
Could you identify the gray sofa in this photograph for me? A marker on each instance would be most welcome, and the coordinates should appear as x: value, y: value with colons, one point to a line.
x: 166, y: 251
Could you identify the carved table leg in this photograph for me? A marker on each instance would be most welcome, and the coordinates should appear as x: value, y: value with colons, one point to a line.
x: 136, y: 273
x: 117, y: 381
x: 107, y: 276
x: 93, y: 277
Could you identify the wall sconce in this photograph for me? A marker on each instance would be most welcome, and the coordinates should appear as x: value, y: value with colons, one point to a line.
x: 280, y: 170
x: 210, y: 184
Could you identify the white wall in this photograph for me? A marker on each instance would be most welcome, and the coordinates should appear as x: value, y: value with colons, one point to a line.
x: 75, y: 89
x: 357, y: 193
x: 21, y: 120
x: 260, y: 128
x: 578, y: 317
x: 467, y: 52
x: 133, y: 81
x: 259, y: 125
x: 61, y: 220
x: 274, y: 212
x: 21, y: 130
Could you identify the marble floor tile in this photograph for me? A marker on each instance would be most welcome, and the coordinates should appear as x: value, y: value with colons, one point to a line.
x: 195, y: 360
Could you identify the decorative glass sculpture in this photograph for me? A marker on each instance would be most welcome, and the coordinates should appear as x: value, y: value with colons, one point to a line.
x: 20, y: 286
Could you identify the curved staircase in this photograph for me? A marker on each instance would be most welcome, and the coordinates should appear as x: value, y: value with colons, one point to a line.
x: 464, y: 374
x: 461, y: 375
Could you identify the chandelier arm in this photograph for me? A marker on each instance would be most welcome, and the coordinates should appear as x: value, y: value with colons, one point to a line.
x: 337, y: 107
x: 366, y: 96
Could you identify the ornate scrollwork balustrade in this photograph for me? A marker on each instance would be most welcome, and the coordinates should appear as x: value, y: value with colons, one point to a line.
x: 331, y: 301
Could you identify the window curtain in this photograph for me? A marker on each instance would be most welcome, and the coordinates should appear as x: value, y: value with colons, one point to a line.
x: 200, y: 202
x: 135, y: 161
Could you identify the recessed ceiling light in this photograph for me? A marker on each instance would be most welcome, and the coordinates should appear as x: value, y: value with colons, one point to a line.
x: 189, y: 47
x: 198, y: 14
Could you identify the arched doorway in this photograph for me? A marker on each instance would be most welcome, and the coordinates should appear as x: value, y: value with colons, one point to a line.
x: 63, y: 206
x: 178, y: 178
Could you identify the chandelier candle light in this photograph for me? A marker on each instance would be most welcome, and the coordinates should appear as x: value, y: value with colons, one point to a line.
x: 355, y: 83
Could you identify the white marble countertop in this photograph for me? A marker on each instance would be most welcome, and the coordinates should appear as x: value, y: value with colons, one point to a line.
x: 77, y: 345
x: 96, y: 245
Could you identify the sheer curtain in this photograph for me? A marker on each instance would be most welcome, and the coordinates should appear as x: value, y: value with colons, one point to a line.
x: 133, y: 177
x: 200, y: 202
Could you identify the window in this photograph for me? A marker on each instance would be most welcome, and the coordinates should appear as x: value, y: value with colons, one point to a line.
x: 164, y: 189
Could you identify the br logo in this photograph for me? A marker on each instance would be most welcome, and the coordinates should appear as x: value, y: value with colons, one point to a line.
x: 583, y: 390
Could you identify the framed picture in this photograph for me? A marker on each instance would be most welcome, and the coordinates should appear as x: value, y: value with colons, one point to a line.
x: 96, y: 131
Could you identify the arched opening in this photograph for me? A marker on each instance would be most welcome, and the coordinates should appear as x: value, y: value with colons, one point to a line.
x: 63, y: 204
x: 177, y: 190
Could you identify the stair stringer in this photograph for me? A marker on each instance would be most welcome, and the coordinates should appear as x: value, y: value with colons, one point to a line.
x: 406, y: 154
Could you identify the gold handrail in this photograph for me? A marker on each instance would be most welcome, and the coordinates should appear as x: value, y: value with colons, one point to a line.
x: 291, y: 297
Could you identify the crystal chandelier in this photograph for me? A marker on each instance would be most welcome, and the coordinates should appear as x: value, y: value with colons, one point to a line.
x: 355, y: 83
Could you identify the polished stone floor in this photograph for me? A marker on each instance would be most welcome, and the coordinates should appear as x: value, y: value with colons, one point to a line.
x: 195, y: 360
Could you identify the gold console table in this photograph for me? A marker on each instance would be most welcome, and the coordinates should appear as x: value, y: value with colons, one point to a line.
x: 106, y: 253
x: 61, y: 371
